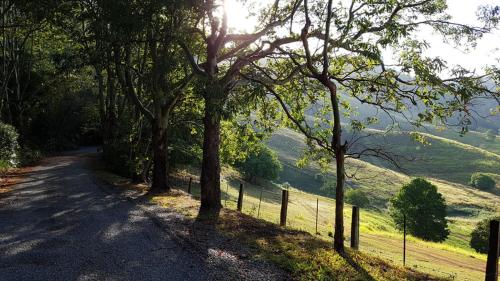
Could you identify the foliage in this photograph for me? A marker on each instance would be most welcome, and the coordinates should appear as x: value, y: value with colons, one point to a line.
x: 357, y: 197
x: 263, y: 164
x: 482, y: 181
x: 29, y: 156
x: 328, y: 186
x: 479, y: 238
x: 424, y: 208
x: 9, y: 147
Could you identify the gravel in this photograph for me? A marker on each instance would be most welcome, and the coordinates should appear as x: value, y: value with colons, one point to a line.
x: 61, y: 223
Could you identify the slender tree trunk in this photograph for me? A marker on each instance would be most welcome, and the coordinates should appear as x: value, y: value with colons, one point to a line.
x: 210, y: 170
x: 338, y: 238
x: 339, y: 151
x: 160, y: 182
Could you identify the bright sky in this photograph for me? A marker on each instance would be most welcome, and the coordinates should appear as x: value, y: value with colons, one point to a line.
x: 487, y: 51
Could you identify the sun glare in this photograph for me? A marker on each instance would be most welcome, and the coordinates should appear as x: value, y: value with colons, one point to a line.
x: 239, y: 19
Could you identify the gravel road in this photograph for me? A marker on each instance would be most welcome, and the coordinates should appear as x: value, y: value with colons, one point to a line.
x: 60, y: 225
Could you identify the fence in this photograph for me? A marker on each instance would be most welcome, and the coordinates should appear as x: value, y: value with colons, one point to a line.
x: 304, y: 211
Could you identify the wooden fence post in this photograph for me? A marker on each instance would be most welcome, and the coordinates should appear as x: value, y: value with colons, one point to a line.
x: 355, y: 228
x: 493, y: 252
x: 260, y: 201
x: 240, y: 198
x: 189, y: 186
x: 317, y: 209
x: 404, y: 239
x: 284, y: 207
x: 227, y: 194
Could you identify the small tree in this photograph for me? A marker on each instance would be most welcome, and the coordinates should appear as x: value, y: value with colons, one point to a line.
x: 425, y: 210
x: 357, y: 197
x: 482, y: 181
x: 480, y: 235
x: 261, y: 164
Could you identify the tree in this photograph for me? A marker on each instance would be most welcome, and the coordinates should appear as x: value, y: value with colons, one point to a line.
x: 424, y: 208
x: 219, y: 58
x: 263, y: 163
x: 134, y: 46
x: 341, y: 54
x: 357, y: 197
x: 482, y: 181
x: 479, y: 238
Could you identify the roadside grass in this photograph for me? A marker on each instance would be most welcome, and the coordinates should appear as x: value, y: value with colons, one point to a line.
x: 379, y: 237
x: 304, y: 256
x: 452, y: 259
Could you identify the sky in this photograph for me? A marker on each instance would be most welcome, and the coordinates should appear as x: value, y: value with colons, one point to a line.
x: 487, y: 51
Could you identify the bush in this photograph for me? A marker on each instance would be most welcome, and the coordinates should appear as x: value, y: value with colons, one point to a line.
x: 329, y: 187
x: 357, y: 197
x: 425, y: 210
x: 29, y: 156
x: 9, y: 148
x: 4, y: 167
x: 262, y: 164
x: 482, y: 181
x: 479, y: 238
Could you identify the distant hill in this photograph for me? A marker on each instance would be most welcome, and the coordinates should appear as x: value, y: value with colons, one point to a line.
x: 447, y: 163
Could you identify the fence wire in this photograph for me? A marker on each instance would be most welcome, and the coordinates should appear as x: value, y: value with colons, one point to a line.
x: 307, y: 212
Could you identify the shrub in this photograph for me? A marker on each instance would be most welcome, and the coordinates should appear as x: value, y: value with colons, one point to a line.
x: 482, y: 181
x: 329, y: 187
x: 357, y: 197
x: 9, y: 148
x: 29, y: 156
x: 479, y: 238
x: 262, y: 164
x: 425, y: 210
x: 4, y: 167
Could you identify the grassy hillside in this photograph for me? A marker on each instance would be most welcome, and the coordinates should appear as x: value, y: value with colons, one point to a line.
x: 473, y: 138
x: 381, y: 183
x: 447, y: 163
x: 452, y: 259
x: 442, y: 158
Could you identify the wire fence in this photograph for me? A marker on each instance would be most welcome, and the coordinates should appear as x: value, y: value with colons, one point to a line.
x: 307, y: 212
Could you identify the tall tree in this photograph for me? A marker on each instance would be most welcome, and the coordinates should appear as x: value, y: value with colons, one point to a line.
x: 342, y: 46
x: 217, y: 63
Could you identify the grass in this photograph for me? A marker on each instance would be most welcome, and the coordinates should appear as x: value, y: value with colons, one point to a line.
x: 380, y: 183
x: 473, y: 138
x: 449, y: 168
x: 303, y: 255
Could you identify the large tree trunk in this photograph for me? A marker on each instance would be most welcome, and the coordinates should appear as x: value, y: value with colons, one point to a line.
x: 210, y: 169
x: 160, y: 161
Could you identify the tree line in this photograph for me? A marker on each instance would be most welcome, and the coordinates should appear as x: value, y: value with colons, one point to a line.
x: 160, y: 82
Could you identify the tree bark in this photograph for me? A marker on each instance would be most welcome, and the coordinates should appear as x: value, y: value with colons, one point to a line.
x: 210, y: 169
x: 338, y: 237
x: 339, y: 152
x: 160, y: 166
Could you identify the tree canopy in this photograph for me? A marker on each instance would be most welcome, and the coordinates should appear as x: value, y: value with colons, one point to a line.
x: 162, y: 83
x: 423, y: 208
